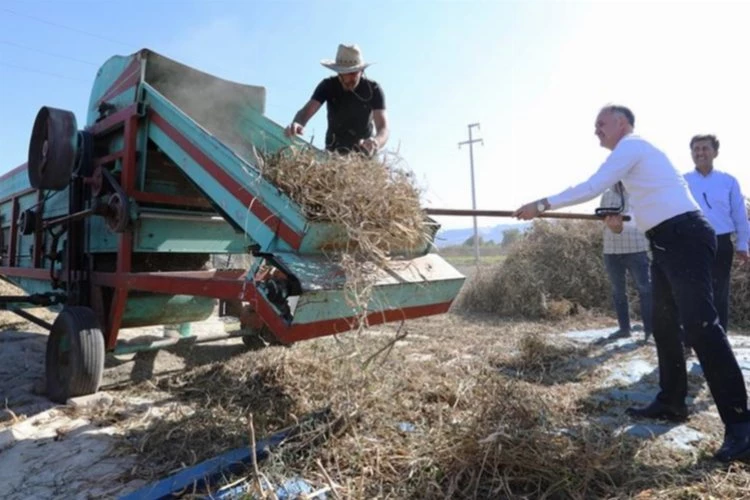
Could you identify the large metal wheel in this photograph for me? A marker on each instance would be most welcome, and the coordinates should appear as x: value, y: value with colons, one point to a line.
x: 52, y: 149
x: 75, y: 354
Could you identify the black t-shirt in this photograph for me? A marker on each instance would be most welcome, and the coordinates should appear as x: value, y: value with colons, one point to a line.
x: 349, y: 113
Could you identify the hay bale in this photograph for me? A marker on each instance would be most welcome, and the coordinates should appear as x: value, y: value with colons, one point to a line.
x: 552, y: 272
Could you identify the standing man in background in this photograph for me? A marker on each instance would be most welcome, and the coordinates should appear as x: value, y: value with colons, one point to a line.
x: 625, y: 250
x: 720, y: 198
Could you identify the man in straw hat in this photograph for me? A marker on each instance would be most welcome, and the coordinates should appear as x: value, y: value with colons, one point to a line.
x: 355, y: 103
x: 683, y: 246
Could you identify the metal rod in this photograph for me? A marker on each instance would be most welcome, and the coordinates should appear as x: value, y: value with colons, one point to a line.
x: 183, y: 217
x: 38, y: 299
x: 509, y: 213
x: 72, y: 217
x: 125, y: 347
x: 32, y: 318
x: 7, y: 299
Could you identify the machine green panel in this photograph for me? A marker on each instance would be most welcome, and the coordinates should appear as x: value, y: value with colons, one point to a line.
x: 144, y: 309
x: 156, y: 235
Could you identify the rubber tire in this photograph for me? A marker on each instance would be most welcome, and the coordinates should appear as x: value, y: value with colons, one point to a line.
x: 82, y: 373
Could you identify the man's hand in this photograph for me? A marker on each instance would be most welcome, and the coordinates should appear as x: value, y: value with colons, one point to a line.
x: 294, y: 129
x: 742, y: 256
x: 528, y: 211
x: 614, y: 223
x: 369, y: 145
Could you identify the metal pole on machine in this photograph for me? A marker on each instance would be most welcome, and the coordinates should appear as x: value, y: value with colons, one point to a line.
x: 471, y: 142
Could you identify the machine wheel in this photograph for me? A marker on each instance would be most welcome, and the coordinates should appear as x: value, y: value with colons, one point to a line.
x: 119, y: 216
x: 75, y: 354
x: 27, y: 222
x: 52, y: 149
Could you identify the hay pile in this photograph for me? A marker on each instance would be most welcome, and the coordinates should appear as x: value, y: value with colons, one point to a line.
x: 375, y: 202
x: 553, y: 271
x: 739, y: 295
x: 557, y: 270
x: 457, y: 414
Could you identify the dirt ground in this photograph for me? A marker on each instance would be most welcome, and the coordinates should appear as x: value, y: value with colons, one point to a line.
x: 47, y: 451
x: 71, y: 451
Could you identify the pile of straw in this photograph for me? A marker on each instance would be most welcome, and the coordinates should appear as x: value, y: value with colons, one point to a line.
x: 375, y: 202
x: 554, y: 271
x: 557, y: 270
x: 739, y: 295
x: 458, y: 414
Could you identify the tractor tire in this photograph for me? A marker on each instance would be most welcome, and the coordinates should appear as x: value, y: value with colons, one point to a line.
x: 75, y: 354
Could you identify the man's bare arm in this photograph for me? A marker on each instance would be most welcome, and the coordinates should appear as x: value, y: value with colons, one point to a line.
x: 381, y: 125
x: 308, y: 111
x: 302, y: 117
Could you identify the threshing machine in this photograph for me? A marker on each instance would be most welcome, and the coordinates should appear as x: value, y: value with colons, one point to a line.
x: 114, y: 224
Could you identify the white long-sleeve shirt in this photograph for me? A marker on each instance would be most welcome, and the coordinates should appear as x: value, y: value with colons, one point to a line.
x: 721, y: 200
x: 657, y: 189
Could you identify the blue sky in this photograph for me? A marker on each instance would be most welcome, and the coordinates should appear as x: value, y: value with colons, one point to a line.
x: 533, y: 73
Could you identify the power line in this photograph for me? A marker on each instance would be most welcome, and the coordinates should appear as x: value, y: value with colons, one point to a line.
x: 41, y: 72
x: 13, y: 44
x: 70, y: 28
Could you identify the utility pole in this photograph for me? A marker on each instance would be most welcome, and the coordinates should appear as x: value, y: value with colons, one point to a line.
x: 471, y: 142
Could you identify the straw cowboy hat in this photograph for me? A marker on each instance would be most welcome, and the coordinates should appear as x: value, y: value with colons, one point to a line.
x: 348, y: 60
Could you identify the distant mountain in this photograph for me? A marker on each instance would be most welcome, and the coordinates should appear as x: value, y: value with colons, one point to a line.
x: 449, y: 237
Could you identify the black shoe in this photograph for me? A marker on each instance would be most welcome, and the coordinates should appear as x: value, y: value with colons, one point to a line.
x: 619, y: 334
x: 736, y: 444
x: 660, y: 411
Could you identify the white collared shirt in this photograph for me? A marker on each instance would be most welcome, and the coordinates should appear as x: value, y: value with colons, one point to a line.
x: 657, y: 189
x: 721, y: 200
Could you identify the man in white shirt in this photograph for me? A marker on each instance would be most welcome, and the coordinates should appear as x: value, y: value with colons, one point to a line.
x: 625, y: 251
x: 683, y: 246
x: 720, y: 198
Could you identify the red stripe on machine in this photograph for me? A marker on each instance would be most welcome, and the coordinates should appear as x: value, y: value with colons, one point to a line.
x: 305, y: 331
x: 262, y: 212
x: 128, y: 78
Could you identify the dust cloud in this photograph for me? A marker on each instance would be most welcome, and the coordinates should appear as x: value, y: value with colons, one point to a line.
x: 219, y: 106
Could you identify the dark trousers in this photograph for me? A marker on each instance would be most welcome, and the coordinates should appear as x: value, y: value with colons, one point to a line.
x: 636, y: 264
x: 721, y: 270
x: 684, y: 250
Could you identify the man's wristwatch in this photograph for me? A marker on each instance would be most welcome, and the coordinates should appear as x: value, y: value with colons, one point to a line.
x: 541, y: 206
